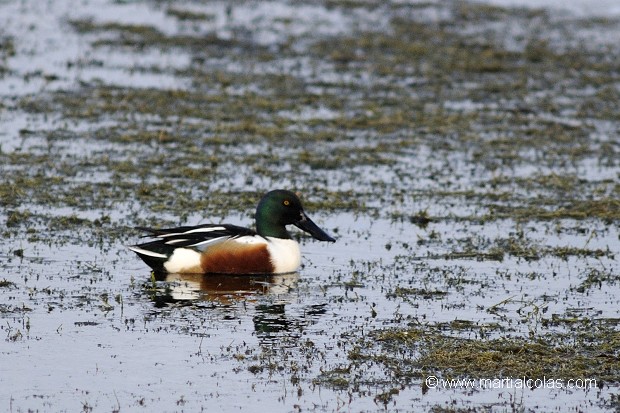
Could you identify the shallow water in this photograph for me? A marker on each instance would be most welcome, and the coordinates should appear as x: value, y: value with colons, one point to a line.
x: 474, y: 204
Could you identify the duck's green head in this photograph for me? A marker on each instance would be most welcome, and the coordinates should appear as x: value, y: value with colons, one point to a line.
x: 280, y: 208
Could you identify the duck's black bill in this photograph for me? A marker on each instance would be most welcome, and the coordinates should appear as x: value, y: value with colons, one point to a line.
x: 306, y: 224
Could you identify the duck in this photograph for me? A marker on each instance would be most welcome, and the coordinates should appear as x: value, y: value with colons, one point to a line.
x: 233, y: 249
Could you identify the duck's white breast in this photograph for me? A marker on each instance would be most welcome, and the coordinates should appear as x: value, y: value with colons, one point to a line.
x: 285, y: 254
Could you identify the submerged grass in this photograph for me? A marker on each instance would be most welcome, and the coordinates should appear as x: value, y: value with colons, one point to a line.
x: 413, y: 353
x: 145, y: 36
x: 199, y: 128
x: 606, y: 209
x: 6, y: 283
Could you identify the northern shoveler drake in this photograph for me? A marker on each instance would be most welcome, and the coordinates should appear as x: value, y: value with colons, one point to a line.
x: 230, y: 249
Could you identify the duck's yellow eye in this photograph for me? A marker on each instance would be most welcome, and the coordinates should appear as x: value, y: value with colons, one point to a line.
x: 286, y: 202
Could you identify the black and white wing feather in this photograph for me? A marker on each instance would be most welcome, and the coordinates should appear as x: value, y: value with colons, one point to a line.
x: 196, y: 236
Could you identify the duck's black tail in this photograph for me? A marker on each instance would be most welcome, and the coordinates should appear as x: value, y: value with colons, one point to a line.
x: 154, y: 253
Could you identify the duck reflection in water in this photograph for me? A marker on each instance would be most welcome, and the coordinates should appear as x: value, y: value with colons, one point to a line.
x: 268, y: 297
x: 219, y: 289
